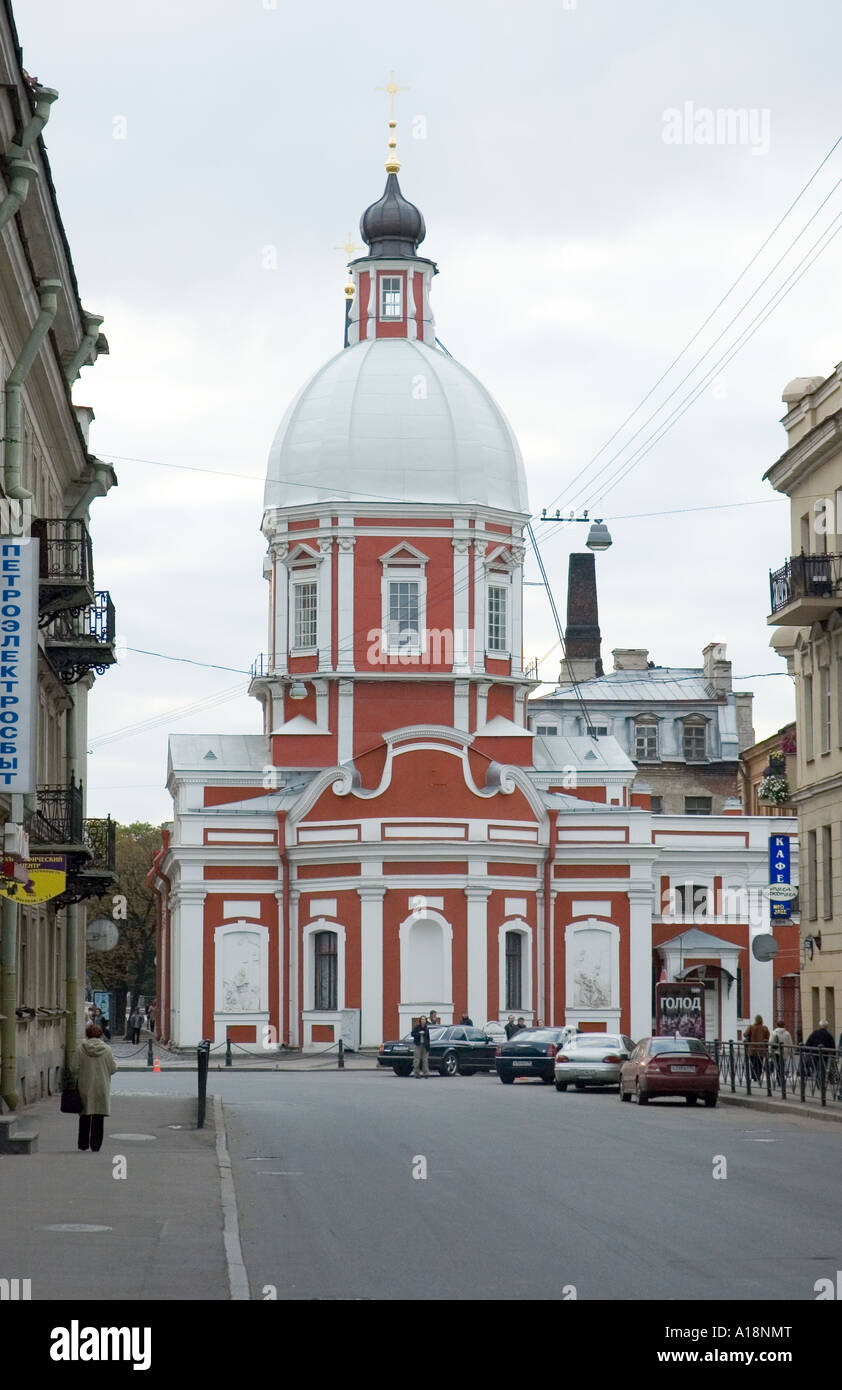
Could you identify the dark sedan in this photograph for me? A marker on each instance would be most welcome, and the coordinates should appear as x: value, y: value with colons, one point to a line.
x: 530, y: 1053
x: 670, y: 1067
x: 453, y: 1050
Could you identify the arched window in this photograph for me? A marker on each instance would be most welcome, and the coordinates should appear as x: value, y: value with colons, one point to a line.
x: 325, y: 973
x: 514, y: 970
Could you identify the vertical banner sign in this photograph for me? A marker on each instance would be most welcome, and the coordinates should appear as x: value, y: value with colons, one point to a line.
x: 779, y: 873
x: 18, y: 663
x: 680, y: 1009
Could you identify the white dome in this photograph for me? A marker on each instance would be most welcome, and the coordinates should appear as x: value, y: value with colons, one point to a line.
x: 395, y: 421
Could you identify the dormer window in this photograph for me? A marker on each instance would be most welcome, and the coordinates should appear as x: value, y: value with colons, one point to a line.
x: 646, y: 740
x: 391, y: 297
x: 695, y: 740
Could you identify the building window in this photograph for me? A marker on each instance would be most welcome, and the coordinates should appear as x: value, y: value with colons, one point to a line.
x: 514, y: 969
x: 824, y: 701
x: 697, y: 805
x: 695, y: 742
x: 657, y: 803
x: 498, y: 634
x: 691, y: 900
x: 325, y: 973
x: 808, y: 717
x: 305, y: 615
x: 827, y: 872
x: 404, y: 624
x: 812, y: 883
x: 547, y: 730
x: 391, y: 297
x: 646, y: 742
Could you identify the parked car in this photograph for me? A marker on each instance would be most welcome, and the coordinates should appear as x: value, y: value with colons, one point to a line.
x: 670, y: 1067
x: 592, y: 1059
x: 530, y: 1053
x: 453, y: 1049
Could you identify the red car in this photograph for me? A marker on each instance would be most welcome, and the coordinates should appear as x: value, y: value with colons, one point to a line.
x: 670, y: 1067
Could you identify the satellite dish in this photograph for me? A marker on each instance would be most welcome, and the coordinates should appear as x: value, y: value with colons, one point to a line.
x: 764, y: 947
x: 102, y: 935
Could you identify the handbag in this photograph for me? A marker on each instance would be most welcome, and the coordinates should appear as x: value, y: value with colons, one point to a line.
x: 71, y: 1100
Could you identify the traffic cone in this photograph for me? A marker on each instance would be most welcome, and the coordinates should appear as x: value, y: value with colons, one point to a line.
x: 157, y: 1066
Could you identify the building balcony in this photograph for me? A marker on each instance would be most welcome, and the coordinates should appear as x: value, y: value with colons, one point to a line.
x: 806, y: 590
x: 89, y: 846
x: 66, y: 566
x: 82, y: 639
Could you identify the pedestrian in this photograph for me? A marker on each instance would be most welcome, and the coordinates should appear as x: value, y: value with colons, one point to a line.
x: 468, y: 1022
x: 421, y: 1038
x: 511, y: 1027
x: 540, y: 1023
x: 93, y: 1066
x: 757, y: 1037
x: 435, y: 1021
x: 106, y: 1028
x: 521, y: 1025
x: 136, y: 1023
x: 821, y: 1040
x: 780, y: 1046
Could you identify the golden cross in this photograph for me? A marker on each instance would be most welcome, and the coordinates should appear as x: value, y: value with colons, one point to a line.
x: 392, y: 165
x: 349, y: 248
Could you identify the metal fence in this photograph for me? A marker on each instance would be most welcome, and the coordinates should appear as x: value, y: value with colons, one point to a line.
x: 784, y: 1073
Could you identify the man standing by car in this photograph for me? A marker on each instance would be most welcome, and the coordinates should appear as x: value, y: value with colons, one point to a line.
x: 511, y: 1027
x: 421, y: 1038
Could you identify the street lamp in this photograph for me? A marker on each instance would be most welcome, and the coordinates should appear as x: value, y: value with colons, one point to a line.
x: 599, y: 537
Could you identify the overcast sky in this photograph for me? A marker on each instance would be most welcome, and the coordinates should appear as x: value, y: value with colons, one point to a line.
x: 582, y: 233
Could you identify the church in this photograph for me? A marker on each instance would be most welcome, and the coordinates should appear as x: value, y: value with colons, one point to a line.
x: 398, y: 838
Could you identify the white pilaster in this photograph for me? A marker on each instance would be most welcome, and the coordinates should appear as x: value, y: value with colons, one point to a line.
x: 345, y: 601
x: 371, y: 965
x: 480, y: 616
x: 189, y: 915
x: 483, y: 688
x: 345, y: 722
x: 282, y: 927
x: 461, y: 707
x: 294, y: 1002
x: 640, y: 962
x: 325, y: 618
x: 518, y: 553
x: 461, y: 606
x: 280, y: 587
x: 478, y: 953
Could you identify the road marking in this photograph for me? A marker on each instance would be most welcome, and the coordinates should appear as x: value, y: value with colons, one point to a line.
x: 76, y: 1226
x: 237, y: 1275
x: 139, y: 1138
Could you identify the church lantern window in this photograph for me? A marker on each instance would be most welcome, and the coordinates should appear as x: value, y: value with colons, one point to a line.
x: 391, y: 297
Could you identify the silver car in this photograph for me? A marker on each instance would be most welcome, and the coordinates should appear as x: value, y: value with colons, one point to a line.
x: 592, y: 1059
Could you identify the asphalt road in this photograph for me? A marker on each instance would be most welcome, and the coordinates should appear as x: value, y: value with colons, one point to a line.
x: 527, y: 1192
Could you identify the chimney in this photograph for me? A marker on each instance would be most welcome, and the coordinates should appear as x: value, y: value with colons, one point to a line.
x: 717, y: 668
x: 582, y: 639
x: 631, y: 658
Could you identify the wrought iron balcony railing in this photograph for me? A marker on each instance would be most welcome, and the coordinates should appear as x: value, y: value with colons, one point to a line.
x: 82, y: 639
x: 262, y: 666
x: 58, y: 819
x: 101, y: 839
x: 66, y: 565
x: 808, y: 578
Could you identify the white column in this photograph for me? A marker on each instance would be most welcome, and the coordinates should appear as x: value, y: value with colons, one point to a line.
x: 461, y: 706
x: 518, y: 553
x: 345, y: 720
x: 482, y: 703
x: 294, y: 1002
x: 761, y: 989
x: 345, y: 602
x: 325, y: 619
x: 282, y: 926
x: 640, y: 962
x: 480, y: 616
x: 477, y: 954
x: 189, y: 913
x: 371, y: 966
x: 461, y: 606
x: 281, y: 591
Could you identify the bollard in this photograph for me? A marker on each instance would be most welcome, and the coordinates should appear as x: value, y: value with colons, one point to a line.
x: 228, y: 1057
x: 731, y: 1066
x: 149, y: 1057
x: 202, y: 1058
x: 340, y: 1060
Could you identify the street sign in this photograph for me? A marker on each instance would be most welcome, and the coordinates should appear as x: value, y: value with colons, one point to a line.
x: 786, y: 892
x: 764, y: 947
x: 781, y: 889
x: 18, y: 662
x: 47, y: 877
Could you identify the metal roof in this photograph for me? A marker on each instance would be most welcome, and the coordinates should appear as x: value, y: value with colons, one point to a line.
x: 663, y: 683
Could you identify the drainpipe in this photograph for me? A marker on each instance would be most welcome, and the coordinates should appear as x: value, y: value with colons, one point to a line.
x: 73, y: 913
x: 22, y: 172
x: 98, y: 488
x: 48, y: 296
x: 81, y: 357
x: 8, y: 1002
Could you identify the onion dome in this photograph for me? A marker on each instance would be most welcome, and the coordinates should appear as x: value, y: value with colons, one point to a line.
x: 392, y: 226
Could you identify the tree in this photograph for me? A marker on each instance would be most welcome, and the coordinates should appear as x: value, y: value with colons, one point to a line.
x: 131, y: 964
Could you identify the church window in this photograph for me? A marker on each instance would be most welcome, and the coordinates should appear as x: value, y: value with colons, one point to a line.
x: 404, y: 613
x: 498, y: 636
x: 325, y: 974
x: 547, y: 730
x: 305, y: 615
x: 391, y: 297
x: 514, y: 970
x: 691, y: 900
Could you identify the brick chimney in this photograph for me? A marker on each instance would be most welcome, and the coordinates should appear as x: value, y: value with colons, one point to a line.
x: 582, y: 637
x: 631, y: 658
x: 717, y: 668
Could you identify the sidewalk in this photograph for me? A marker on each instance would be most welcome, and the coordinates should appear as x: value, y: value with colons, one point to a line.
x: 133, y: 1057
x: 163, y: 1236
x: 810, y: 1108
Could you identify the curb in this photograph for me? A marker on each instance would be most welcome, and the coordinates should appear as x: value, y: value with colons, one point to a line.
x: 237, y: 1275
x: 781, y: 1107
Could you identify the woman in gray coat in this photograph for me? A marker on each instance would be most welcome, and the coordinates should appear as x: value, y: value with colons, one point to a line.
x: 93, y: 1069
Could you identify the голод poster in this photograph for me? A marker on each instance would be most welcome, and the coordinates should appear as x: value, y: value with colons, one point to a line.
x: 680, y: 1009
